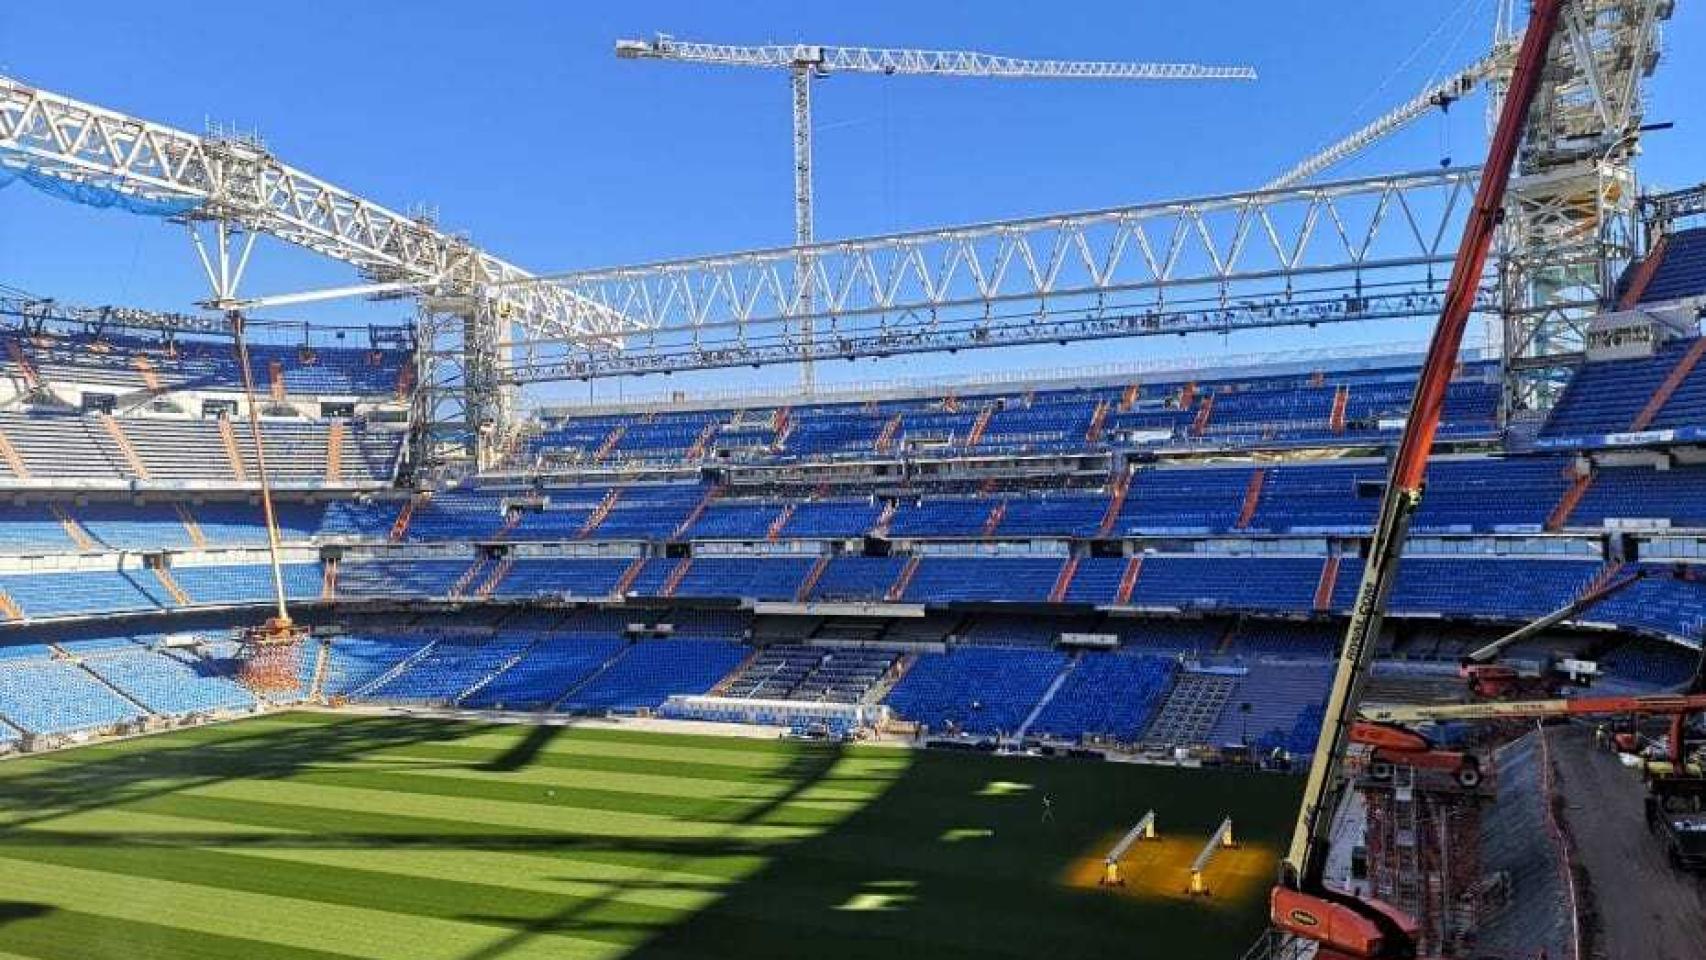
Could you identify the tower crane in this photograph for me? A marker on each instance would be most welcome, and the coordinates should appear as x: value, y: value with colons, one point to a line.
x: 808, y: 62
x: 1301, y: 906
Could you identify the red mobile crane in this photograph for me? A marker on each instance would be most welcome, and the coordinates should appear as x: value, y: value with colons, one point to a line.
x: 1301, y: 905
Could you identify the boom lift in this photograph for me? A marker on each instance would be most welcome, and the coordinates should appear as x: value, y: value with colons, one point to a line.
x: 1301, y: 905
x: 1491, y: 680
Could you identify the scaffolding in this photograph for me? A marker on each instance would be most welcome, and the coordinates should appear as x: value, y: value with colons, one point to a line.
x: 1423, y: 845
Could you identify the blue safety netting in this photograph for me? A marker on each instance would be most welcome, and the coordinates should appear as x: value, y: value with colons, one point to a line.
x: 89, y: 194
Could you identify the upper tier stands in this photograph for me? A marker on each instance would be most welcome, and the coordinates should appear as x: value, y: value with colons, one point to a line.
x: 70, y: 449
x: 1681, y: 270
x: 126, y: 363
x: 1321, y: 408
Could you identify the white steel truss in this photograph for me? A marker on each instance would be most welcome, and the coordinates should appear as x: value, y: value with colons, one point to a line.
x: 1349, y: 250
x: 944, y: 63
x: 236, y: 182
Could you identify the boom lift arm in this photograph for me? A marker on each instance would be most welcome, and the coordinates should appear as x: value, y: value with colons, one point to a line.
x: 1490, y: 652
x: 1301, y: 905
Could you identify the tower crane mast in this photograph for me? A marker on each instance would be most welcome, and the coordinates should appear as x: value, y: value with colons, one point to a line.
x: 806, y: 62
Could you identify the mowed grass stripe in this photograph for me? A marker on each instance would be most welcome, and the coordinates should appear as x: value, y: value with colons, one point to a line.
x: 58, y: 934
x: 537, y: 814
x: 850, y: 771
x: 774, y: 809
x: 290, y: 921
x: 597, y: 916
x: 354, y: 828
x: 605, y: 917
x: 654, y: 778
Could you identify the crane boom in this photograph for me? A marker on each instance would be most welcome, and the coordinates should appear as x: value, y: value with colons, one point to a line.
x: 1437, y: 96
x: 1655, y: 705
x: 806, y: 62
x: 824, y: 60
x: 1301, y: 904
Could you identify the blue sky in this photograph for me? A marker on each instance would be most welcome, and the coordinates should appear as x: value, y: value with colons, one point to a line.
x: 518, y: 124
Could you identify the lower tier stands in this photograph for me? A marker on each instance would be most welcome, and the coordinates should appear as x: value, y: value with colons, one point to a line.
x: 978, y: 690
x: 98, y: 683
x: 1169, y: 683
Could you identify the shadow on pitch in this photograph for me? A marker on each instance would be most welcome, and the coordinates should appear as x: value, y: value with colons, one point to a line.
x: 11, y: 911
x: 142, y: 769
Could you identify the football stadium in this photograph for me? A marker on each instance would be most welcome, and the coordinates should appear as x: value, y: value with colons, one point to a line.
x: 361, y: 611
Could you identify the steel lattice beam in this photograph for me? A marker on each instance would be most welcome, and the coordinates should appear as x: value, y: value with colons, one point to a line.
x: 1300, y: 255
x: 240, y: 183
x: 825, y: 59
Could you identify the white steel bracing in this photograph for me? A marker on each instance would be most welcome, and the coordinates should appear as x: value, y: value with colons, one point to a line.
x: 825, y: 59
x: 805, y: 62
x: 1355, y: 249
x: 237, y: 183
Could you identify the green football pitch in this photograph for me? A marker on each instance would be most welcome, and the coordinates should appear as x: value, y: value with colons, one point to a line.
x: 314, y: 835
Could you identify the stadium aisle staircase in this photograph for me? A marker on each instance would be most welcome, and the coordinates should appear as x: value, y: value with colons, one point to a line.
x: 394, y: 671
x: 1048, y: 696
x: 673, y: 581
x: 499, y: 571
x: 599, y: 513
x: 486, y: 679
x: 14, y: 462
x: 115, y: 430
x: 170, y: 585
x: 626, y: 581
x: 1116, y: 503
x: 980, y: 426
x: 322, y: 662
x: 1199, y: 426
x: 329, y: 579
x: 590, y: 678
x: 400, y: 528
x: 463, y: 583
x: 812, y: 577
x: 9, y: 609
x: 335, y: 452
x: 150, y: 377
x: 697, y: 511
x: 115, y: 690
x: 73, y: 529
x: 891, y: 429
x: 1098, y: 420
x: 1063, y: 582
x: 1684, y: 366
x: 233, y: 454
x: 703, y: 441
x: 1128, y: 397
x: 1644, y: 275
x: 193, y: 529
x: 1559, y: 518
x: 903, y: 580
x: 611, y: 439
x: 1324, y: 587
x: 885, y: 520
x: 1128, y: 579
x: 1252, y: 497
x: 992, y: 522
x: 774, y: 532
x: 1341, y: 400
